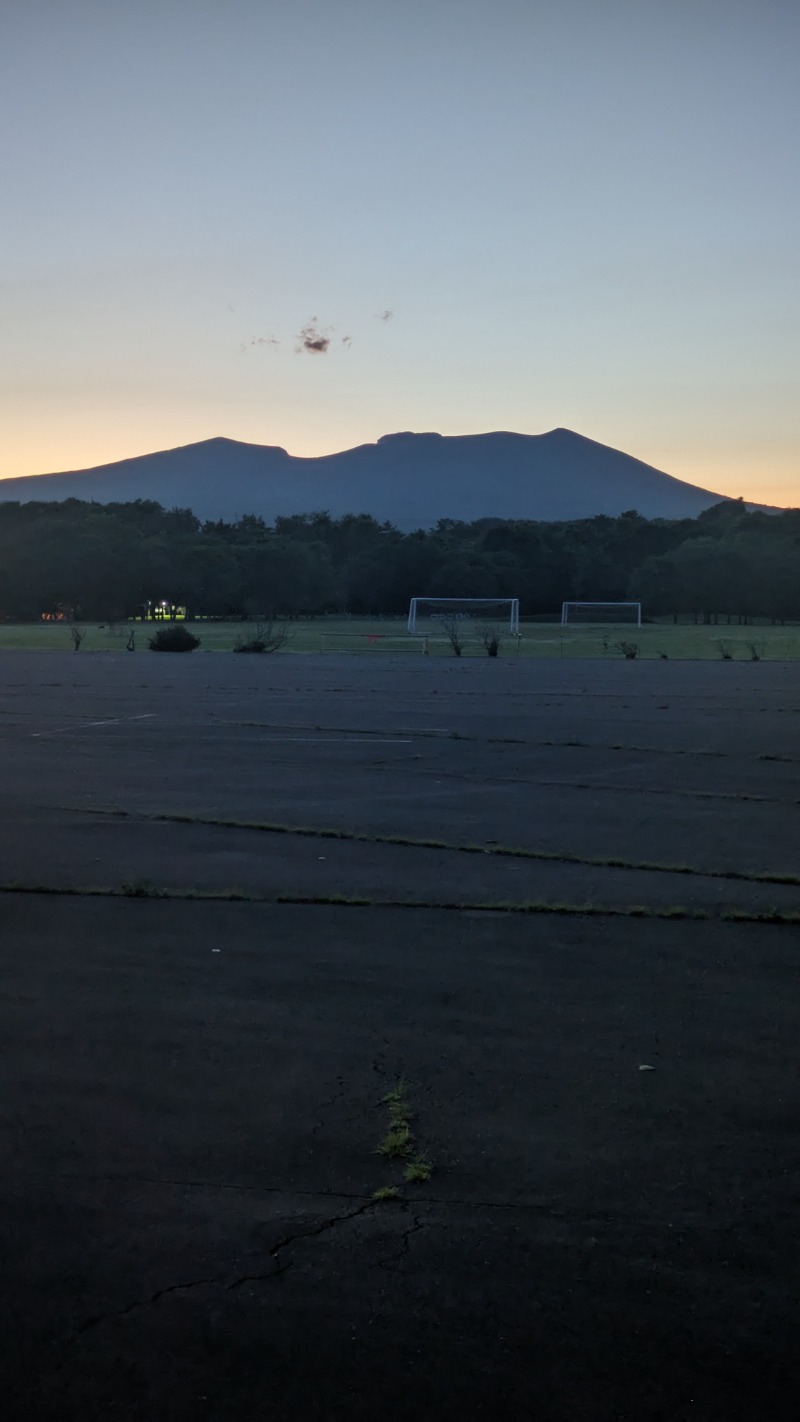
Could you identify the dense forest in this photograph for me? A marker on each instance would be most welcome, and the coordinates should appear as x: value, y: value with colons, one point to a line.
x: 112, y: 561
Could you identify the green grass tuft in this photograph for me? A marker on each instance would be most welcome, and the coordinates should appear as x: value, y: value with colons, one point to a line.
x: 397, y: 1142
x: 141, y: 889
x: 400, y: 1111
x: 418, y: 1170
x: 386, y: 1192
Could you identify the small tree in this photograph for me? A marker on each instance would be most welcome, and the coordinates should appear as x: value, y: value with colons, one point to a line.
x: 491, y: 640
x: 451, y: 626
x: 268, y: 638
x: 629, y: 650
x: 77, y: 634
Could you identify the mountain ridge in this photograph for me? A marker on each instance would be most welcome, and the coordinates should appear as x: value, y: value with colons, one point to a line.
x: 407, y: 478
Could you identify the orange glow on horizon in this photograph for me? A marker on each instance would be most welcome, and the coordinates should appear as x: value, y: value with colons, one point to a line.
x: 770, y: 478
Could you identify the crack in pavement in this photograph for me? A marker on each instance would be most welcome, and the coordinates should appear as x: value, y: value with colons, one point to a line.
x: 380, y: 1058
x: 331, y: 1101
x: 405, y: 1244
x: 290, y: 1239
x: 183, y: 1184
x: 444, y: 1201
x: 218, y: 1280
x: 99, y: 1318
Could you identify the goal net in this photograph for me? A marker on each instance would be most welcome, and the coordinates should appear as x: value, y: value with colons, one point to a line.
x: 601, y: 614
x: 426, y: 614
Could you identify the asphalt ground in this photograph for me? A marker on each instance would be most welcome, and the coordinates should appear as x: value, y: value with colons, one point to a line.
x: 201, y: 1021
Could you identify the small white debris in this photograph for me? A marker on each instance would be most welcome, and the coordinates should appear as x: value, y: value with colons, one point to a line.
x: 645, y: 1067
x: 321, y: 856
x: 216, y: 950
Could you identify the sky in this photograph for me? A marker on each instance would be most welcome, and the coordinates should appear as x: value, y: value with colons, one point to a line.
x: 310, y: 223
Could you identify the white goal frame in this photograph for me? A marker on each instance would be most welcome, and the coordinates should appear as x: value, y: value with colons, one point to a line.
x: 512, y: 603
x: 601, y: 622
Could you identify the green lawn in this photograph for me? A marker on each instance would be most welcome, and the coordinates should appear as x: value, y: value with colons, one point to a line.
x: 373, y: 637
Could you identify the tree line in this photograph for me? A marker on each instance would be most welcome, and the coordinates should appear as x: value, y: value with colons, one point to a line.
x: 115, y: 561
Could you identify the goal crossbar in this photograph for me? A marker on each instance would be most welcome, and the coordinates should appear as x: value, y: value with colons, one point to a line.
x: 463, y: 606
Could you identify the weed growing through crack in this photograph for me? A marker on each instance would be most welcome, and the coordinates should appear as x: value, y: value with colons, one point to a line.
x: 141, y: 889
x: 418, y: 1170
x: 398, y: 1103
x: 399, y: 1143
x: 398, y: 1140
x: 386, y: 1192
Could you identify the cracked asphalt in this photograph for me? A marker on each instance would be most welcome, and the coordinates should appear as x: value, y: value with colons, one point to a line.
x: 191, y: 1091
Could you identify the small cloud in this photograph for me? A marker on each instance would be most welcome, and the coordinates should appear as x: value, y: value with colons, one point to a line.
x: 347, y: 341
x: 265, y: 341
x: 385, y: 316
x: 313, y: 339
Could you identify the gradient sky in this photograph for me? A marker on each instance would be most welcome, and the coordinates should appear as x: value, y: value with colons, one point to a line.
x: 578, y: 212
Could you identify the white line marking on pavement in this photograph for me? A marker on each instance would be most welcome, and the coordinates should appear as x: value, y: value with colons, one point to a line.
x: 84, y: 725
x: 336, y: 741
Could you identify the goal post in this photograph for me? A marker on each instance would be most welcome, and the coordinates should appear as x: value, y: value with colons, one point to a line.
x: 601, y: 614
x: 504, y: 610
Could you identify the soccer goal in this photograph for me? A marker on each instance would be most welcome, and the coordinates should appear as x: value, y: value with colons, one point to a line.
x: 424, y: 611
x: 601, y: 614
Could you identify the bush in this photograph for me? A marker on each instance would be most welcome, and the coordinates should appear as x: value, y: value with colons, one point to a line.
x: 629, y: 650
x: 175, y: 638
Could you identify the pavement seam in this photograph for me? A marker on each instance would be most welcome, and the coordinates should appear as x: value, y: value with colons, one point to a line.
x: 285, y: 1190
x: 506, y: 907
x: 493, y: 851
x: 434, y: 1201
x: 572, y: 744
x: 609, y: 785
x: 210, y: 1185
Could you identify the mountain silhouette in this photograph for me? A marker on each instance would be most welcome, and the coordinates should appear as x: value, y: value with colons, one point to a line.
x: 411, y: 480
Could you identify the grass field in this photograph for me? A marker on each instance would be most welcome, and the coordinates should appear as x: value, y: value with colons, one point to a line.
x: 366, y: 636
